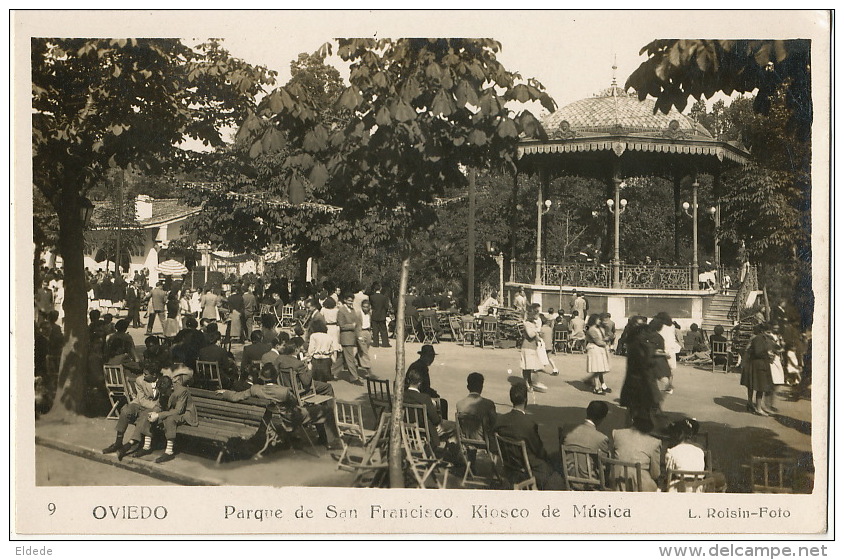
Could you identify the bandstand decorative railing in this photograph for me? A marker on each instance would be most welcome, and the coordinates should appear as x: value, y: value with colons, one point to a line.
x: 632, y: 276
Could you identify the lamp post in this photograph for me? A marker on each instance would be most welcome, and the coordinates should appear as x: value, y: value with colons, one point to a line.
x: 542, y: 208
x: 498, y: 256
x: 617, y: 205
x: 693, y: 216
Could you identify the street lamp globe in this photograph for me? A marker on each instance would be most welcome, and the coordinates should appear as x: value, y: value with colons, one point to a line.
x: 623, y: 203
x: 686, y: 206
x: 610, y: 202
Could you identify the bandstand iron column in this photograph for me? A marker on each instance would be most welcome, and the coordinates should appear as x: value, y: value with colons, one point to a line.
x: 695, y: 266
x: 540, y: 208
x: 616, y: 256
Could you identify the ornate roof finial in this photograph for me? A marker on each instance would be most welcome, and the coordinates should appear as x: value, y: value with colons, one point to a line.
x: 614, y: 68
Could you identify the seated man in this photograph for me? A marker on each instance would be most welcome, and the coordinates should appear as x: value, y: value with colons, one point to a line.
x: 190, y: 339
x: 478, y: 406
x: 288, y: 362
x: 586, y: 437
x: 413, y: 395
x: 120, y: 348
x: 177, y: 409
x: 291, y: 415
x: 516, y: 425
x: 718, y: 336
x: 254, y: 352
x: 213, y: 352
x: 156, y: 356
x: 145, y: 401
x: 578, y: 329
x: 426, y: 358
x: 561, y: 324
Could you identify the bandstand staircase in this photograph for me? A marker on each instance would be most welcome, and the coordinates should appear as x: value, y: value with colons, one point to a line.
x: 719, y: 311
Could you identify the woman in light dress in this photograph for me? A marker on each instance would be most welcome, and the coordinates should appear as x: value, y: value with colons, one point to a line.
x: 533, y: 357
x: 597, y: 359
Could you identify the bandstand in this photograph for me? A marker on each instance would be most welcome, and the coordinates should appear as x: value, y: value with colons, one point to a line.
x: 612, y: 137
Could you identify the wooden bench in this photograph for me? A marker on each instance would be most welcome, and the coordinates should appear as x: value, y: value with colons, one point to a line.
x: 228, y: 425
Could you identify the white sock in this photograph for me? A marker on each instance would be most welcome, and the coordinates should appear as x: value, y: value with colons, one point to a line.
x: 147, y: 443
x: 169, y: 450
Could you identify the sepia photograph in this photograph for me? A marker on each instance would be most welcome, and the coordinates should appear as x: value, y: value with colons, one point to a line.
x: 276, y: 273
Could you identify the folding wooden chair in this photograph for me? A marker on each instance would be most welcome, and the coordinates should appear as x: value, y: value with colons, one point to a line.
x: 429, y: 331
x: 469, y: 332
x: 456, y: 329
x: 379, y: 396
x: 287, y: 318
x: 577, y: 345
x: 208, y: 374
x: 622, y: 476
x: 348, y: 417
x: 130, y: 388
x: 772, y: 475
x: 490, y: 334
x: 529, y: 484
x: 422, y: 463
x: 561, y: 341
x: 689, y: 481
x: 373, y: 469
x: 417, y: 414
x: 581, y: 469
x: 305, y: 397
x: 409, y: 330
x: 471, y: 438
x: 719, y: 348
x: 514, y: 459
x: 115, y: 383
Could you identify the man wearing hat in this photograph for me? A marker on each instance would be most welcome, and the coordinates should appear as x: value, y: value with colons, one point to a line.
x: 179, y: 410
x: 426, y: 358
x: 133, y: 305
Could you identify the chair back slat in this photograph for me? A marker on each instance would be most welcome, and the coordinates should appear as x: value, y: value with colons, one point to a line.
x: 514, y: 457
x: 417, y: 414
x: 581, y: 469
x: 209, y: 372
x: 622, y: 476
x: 528, y: 484
x: 772, y: 475
x: 379, y: 396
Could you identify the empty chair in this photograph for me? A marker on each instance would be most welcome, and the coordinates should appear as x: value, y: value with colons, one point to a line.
x: 348, y: 417
x: 379, y: 396
x: 287, y: 319
x: 772, y: 475
x: 469, y: 332
x: 456, y: 329
x: 429, y: 331
x: 115, y: 383
x: 208, y: 375
x: 409, y: 330
x: 490, y: 333
x: 622, y: 476
x: 422, y: 463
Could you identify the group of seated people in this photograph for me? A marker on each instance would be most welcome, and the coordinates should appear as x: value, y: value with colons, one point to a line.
x: 635, y: 444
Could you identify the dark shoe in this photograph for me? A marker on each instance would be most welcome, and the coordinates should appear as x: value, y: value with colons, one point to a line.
x: 141, y: 452
x: 386, y: 346
x: 130, y: 447
x: 375, y: 346
x: 164, y: 457
x: 750, y: 407
x: 607, y: 390
x: 357, y: 382
x: 113, y: 448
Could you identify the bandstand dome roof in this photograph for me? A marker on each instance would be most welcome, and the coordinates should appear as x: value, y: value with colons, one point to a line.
x: 615, y: 120
x: 613, y: 110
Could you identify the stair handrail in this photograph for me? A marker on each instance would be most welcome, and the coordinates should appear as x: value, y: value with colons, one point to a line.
x: 750, y: 284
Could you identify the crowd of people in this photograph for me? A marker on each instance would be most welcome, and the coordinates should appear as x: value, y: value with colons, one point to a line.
x: 329, y: 337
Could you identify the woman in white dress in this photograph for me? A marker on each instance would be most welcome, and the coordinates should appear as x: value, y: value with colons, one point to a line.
x: 329, y: 313
x: 533, y: 350
x: 597, y: 359
x: 672, y: 347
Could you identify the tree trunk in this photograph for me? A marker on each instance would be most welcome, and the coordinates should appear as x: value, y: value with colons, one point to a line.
x: 396, y: 459
x: 73, y: 369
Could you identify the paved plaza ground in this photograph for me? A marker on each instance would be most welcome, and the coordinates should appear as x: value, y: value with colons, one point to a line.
x: 716, y: 400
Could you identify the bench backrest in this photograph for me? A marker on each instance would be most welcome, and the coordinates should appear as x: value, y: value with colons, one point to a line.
x: 210, y: 406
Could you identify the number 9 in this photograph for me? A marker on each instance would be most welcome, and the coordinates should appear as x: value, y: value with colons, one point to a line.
x: 51, y: 507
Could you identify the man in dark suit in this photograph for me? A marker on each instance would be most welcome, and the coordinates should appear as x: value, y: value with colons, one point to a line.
x: 133, y: 305
x: 426, y: 358
x: 380, y: 309
x: 350, y: 332
x: 518, y: 426
x: 255, y: 351
x: 586, y: 437
x: 213, y: 352
x: 476, y: 405
x: 439, y: 428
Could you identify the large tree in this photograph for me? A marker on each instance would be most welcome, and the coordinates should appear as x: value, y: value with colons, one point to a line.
x: 420, y: 113
x: 105, y: 103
